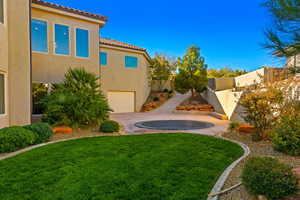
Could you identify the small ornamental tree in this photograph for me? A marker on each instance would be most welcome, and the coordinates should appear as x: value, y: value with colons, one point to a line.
x: 77, y: 102
x: 192, y: 72
x: 161, y: 69
x: 260, y: 108
x: 266, y: 105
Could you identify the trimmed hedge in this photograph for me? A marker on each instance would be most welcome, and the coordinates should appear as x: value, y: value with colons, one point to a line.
x: 267, y: 176
x: 15, y: 138
x: 42, y: 130
x: 109, y: 126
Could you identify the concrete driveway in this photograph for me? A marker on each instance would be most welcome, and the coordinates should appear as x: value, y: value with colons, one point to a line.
x: 166, y: 112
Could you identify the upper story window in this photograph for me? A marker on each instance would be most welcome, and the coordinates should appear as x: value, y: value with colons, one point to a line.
x: 39, y: 33
x: 103, y: 58
x: 2, y: 94
x: 82, y: 43
x: 131, y: 61
x: 62, y: 45
x: 1, y: 12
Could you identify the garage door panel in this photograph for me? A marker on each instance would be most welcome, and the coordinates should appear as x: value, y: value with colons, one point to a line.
x: 121, y: 102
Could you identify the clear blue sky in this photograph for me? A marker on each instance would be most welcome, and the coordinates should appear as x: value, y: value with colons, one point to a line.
x: 228, y: 32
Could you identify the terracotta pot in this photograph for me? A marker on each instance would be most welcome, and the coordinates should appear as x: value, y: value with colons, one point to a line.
x: 62, y: 129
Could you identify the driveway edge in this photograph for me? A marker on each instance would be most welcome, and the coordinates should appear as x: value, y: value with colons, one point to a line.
x: 221, y: 181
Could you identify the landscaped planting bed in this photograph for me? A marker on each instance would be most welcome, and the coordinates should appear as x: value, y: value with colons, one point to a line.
x: 261, y: 148
x: 155, y: 166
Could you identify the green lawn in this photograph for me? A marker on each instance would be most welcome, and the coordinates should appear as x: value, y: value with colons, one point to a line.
x: 141, y: 167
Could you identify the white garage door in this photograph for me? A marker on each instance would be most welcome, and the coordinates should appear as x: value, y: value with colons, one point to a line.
x: 121, y: 102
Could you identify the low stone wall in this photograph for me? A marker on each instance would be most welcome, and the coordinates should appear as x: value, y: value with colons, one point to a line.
x: 225, y: 102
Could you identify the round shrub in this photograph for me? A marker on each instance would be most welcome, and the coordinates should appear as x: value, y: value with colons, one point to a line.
x: 42, y: 130
x: 109, y: 126
x: 15, y: 138
x: 267, y: 176
x: 286, y: 136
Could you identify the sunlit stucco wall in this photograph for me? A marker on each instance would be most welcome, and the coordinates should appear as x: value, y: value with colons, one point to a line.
x: 116, y: 77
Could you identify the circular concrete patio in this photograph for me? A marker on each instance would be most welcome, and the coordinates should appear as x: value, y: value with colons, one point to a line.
x: 166, y: 112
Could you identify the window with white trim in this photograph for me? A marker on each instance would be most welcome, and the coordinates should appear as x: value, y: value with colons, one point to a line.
x: 39, y: 31
x: 82, y: 43
x: 62, y: 42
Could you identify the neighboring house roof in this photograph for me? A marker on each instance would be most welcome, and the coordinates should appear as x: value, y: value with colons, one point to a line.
x: 70, y: 10
x: 115, y: 43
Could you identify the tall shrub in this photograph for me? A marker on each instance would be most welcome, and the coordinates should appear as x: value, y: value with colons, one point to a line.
x: 77, y: 102
x: 260, y: 108
x: 286, y: 135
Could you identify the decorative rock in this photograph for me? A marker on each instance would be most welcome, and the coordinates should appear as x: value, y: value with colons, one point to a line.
x: 246, y: 128
x: 62, y: 129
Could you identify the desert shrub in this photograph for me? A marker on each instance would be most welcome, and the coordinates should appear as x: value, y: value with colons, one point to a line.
x: 286, y: 135
x: 77, y: 102
x: 42, y: 130
x: 156, y: 99
x: 260, y: 107
x: 267, y: 176
x: 15, y: 138
x: 233, y: 126
x: 109, y: 126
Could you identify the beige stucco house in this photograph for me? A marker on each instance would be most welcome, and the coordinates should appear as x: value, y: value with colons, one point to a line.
x: 124, y: 75
x: 40, y: 41
x: 64, y: 38
x: 15, y: 62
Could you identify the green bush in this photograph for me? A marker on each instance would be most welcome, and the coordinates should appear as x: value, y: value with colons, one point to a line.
x: 15, y: 138
x: 77, y: 102
x: 233, y: 126
x: 268, y: 177
x: 42, y: 130
x: 170, y: 91
x: 286, y: 136
x: 109, y: 126
x: 156, y: 99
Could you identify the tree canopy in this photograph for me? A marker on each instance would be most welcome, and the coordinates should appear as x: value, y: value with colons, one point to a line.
x: 192, y: 72
x: 224, y: 72
x: 283, y: 37
x: 161, y: 68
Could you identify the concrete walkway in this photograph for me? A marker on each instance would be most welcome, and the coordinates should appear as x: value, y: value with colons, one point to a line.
x: 165, y: 112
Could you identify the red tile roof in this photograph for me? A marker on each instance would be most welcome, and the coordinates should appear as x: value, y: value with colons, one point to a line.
x: 116, y: 43
x: 71, y: 10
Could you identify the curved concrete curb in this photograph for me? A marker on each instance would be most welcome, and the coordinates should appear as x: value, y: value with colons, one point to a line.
x: 221, y: 181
